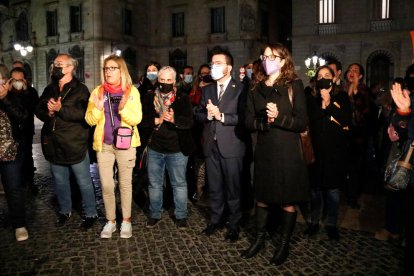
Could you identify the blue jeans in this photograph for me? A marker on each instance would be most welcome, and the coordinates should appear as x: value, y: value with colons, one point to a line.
x: 11, y: 177
x: 328, y: 198
x: 82, y: 174
x: 176, y: 164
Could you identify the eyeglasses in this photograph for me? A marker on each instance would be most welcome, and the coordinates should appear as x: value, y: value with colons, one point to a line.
x: 270, y: 57
x: 111, y: 69
x: 61, y: 65
x: 218, y: 63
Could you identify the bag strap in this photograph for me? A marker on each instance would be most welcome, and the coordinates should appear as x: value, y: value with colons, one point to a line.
x: 110, y: 109
x: 406, y: 162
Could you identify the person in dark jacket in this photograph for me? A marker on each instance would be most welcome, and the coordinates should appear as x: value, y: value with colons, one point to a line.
x: 13, y: 115
x: 403, y: 123
x: 166, y: 128
x: 276, y: 109
x: 21, y: 86
x: 65, y: 134
x: 329, y: 118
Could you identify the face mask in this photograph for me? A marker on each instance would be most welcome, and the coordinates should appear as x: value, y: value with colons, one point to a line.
x: 206, y: 78
x: 166, y: 87
x: 18, y: 85
x: 324, y: 83
x: 152, y: 76
x: 249, y: 73
x: 188, y: 78
x: 57, y: 73
x: 241, y: 76
x: 271, y: 66
x: 409, y: 81
x: 216, y: 72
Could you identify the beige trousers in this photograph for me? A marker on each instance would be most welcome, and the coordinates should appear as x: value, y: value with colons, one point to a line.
x: 126, y: 162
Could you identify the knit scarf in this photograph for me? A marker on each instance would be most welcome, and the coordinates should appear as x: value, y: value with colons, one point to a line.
x: 112, y: 89
x: 163, y: 101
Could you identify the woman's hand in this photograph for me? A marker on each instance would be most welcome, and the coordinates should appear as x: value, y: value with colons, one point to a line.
x: 326, y: 98
x: 272, y: 112
x: 99, y: 103
x: 401, y: 97
x: 169, y: 116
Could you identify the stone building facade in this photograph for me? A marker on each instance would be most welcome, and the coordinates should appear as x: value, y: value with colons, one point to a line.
x: 175, y: 32
x: 374, y: 33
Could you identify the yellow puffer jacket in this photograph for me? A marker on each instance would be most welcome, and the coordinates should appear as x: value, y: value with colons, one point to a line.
x: 131, y: 116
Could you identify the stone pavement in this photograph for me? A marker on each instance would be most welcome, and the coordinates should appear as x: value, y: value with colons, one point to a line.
x: 165, y: 250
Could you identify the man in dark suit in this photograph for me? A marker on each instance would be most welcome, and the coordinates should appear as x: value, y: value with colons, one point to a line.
x: 222, y: 111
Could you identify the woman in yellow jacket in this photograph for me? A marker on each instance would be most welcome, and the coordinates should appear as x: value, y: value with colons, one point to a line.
x: 115, y: 103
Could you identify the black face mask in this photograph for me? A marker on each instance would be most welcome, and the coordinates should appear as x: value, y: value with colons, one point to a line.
x: 57, y: 73
x: 409, y: 81
x: 324, y: 83
x: 206, y: 78
x: 166, y: 87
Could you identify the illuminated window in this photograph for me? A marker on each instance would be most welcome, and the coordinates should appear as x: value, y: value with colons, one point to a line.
x: 326, y: 11
x: 385, y: 9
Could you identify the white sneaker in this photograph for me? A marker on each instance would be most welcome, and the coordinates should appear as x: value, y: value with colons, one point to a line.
x: 21, y: 234
x: 126, y: 230
x: 108, y: 229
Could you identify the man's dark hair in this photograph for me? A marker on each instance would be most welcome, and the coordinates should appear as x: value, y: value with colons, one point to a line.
x: 187, y: 66
x: 229, y: 57
x: 19, y: 70
x: 337, y: 63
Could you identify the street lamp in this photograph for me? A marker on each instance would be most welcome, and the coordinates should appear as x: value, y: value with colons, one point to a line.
x: 23, y: 48
x: 312, y: 64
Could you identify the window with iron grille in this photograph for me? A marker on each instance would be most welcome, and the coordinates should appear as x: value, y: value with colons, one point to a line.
x: 326, y: 11
x: 178, y: 24
x: 51, y: 23
x: 217, y: 20
x: 75, y: 19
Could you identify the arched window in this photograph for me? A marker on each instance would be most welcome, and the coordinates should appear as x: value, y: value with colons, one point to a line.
x: 130, y: 57
x: 380, y: 69
x: 77, y: 53
x: 50, y: 57
x: 22, y: 28
x: 178, y: 59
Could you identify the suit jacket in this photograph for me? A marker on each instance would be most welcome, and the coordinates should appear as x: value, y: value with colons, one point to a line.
x: 230, y: 134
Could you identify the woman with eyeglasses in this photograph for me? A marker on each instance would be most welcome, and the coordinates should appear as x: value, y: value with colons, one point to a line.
x: 113, y: 104
x: 276, y: 110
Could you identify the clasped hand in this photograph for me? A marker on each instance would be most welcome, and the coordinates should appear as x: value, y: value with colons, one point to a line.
x: 54, y: 105
x: 272, y: 112
x: 213, y: 111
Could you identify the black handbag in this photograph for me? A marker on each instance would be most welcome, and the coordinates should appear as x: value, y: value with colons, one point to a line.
x: 397, y: 174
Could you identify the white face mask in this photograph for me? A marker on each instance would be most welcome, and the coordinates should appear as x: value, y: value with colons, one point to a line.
x: 216, y: 72
x: 19, y: 85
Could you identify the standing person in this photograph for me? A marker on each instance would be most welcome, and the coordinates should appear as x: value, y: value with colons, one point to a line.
x: 329, y: 119
x: 186, y: 79
x: 13, y: 113
x: 21, y: 86
x: 276, y: 109
x: 113, y: 104
x: 65, y: 134
x: 336, y: 66
x: 361, y: 130
x: 168, y: 118
x: 149, y: 81
x: 222, y: 112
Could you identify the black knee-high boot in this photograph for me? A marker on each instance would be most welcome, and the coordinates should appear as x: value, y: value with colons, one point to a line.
x: 258, y: 244
x: 288, y: 224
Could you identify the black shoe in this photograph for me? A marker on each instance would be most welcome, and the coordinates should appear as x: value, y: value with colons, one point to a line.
x: 88, y: 222
x: 232, y: 235
x: 210, y: 229
x: 62, y: 219
x: 181, y: 224
x: 152, y: 222
x: 332, y: 232
x: 312, y: 230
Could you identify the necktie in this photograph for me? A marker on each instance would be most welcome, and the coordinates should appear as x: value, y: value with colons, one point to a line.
x: 221, y: 92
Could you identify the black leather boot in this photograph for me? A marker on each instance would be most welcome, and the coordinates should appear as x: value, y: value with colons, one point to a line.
x: 288, y: 224
x: 258, y: 244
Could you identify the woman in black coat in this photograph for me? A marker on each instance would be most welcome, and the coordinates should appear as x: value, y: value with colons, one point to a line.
x: 276, y: 109
x: 329, y: 117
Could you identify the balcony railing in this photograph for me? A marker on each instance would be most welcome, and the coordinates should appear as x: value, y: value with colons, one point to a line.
x: 327, y: 29
x: 381, y: 25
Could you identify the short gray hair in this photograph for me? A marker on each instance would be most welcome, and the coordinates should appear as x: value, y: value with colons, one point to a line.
x: 168, y: 69
x: 72, y: 61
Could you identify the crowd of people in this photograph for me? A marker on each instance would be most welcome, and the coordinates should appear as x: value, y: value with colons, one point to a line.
x: 238, y: 142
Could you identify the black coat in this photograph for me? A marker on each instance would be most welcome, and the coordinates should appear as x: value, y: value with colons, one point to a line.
x: 280, y: 173
x: 183, y: 116
x: 330, y: 139
x: 68, y: 127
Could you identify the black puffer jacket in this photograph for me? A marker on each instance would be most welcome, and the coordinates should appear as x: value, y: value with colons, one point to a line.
x: 68, y: 130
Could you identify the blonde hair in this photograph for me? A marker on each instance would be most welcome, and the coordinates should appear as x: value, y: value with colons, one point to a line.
x: 126, y: 80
